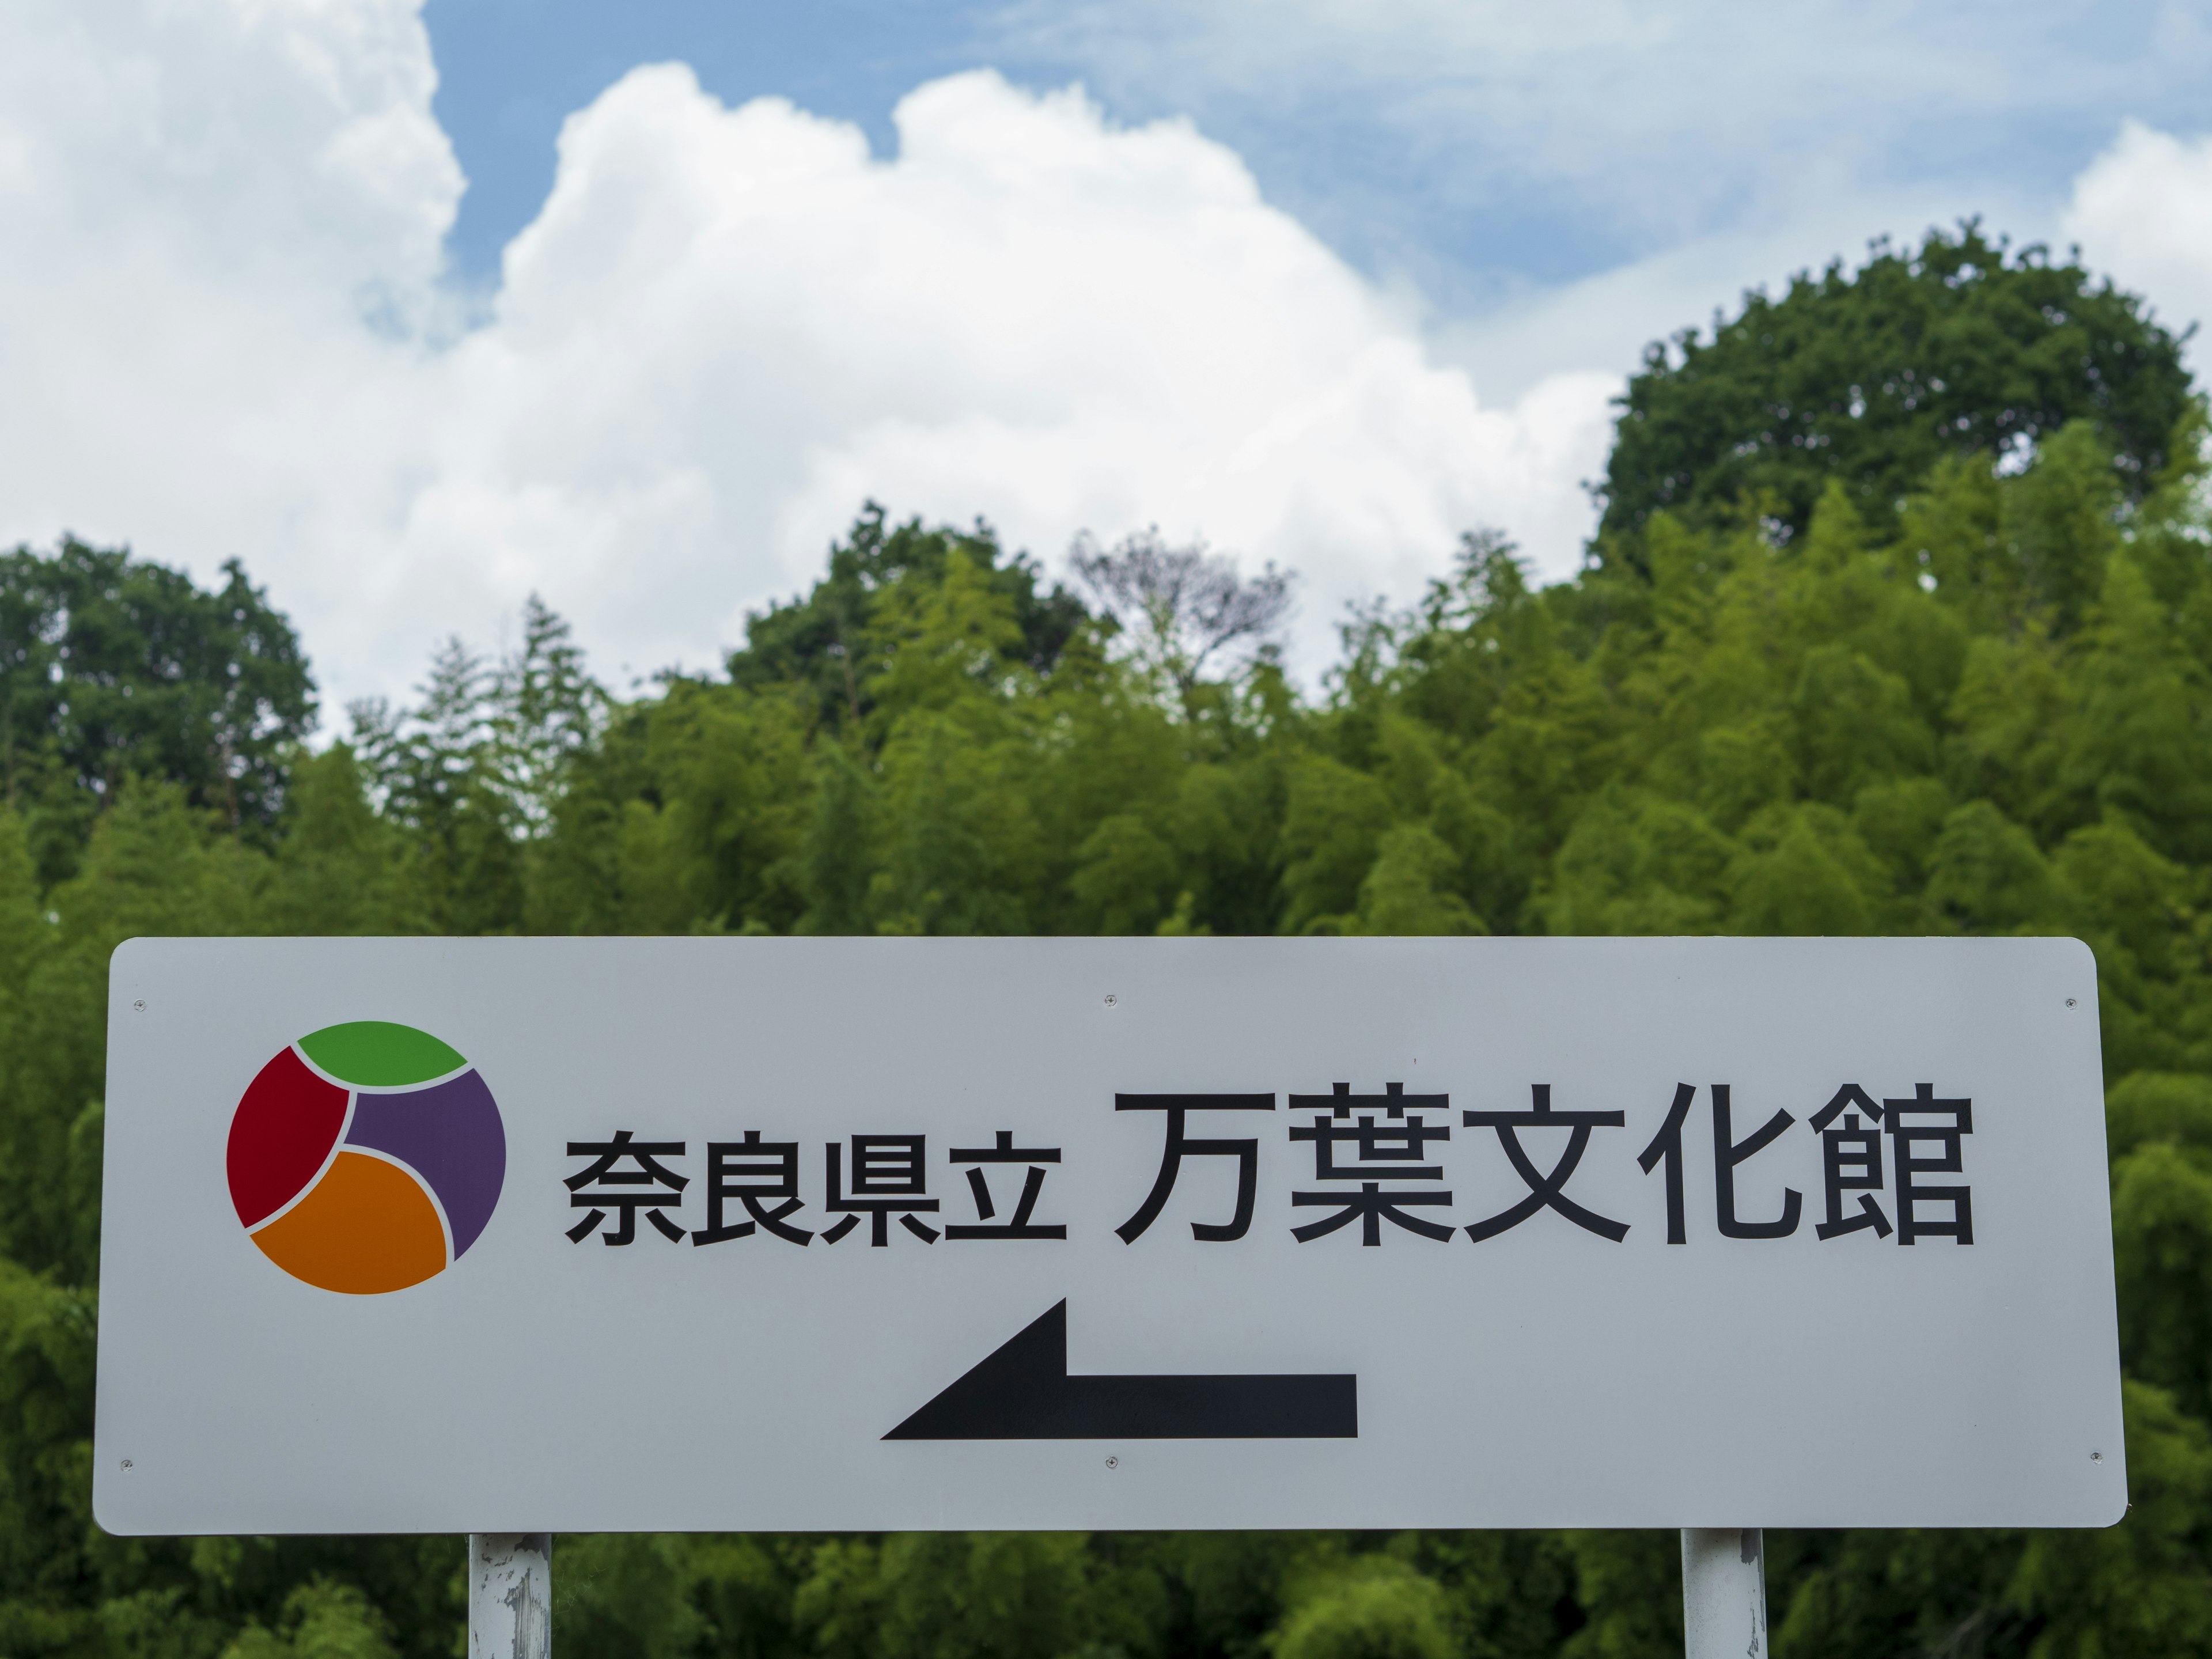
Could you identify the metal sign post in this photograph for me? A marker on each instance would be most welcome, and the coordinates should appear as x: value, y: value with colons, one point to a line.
x: 510, y: 1595
x: 1723, y: 1593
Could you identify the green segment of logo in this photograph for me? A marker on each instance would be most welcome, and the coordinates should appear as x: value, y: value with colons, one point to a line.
x: 376, y: 1054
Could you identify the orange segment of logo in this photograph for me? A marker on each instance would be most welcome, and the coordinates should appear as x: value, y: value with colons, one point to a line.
x: 366, y: 1228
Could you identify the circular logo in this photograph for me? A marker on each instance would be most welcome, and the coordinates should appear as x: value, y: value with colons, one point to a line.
x: 366, y: 1157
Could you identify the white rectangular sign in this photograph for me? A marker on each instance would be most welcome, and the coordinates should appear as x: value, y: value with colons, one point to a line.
x: 569, y: 1235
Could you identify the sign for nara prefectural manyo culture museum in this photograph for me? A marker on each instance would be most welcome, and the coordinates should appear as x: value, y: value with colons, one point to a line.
x: 509, y: 1234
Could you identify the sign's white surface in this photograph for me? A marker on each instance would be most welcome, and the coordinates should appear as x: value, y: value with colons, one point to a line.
x: 1550, y: 1359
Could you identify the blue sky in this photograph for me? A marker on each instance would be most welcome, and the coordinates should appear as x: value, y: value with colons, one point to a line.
x: 510, y: 71
x: 1455, y: 148
x: 1329, y: 282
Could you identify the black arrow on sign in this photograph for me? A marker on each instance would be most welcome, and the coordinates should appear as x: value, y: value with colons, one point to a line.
x: 1024, y: 1392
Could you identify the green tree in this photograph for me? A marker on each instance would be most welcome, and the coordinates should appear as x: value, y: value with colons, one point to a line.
x: 831, y: 641
x: 1875, y: 375
x: 111, y: 667
x: 1375, y: 1606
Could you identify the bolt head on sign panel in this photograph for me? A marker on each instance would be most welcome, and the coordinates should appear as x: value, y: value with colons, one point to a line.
x: 739, y: 1234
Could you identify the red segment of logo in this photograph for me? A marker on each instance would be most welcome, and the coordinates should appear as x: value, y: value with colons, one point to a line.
x: 284, y: 1128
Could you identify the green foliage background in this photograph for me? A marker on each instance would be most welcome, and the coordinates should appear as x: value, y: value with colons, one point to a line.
x: 1915, y: 665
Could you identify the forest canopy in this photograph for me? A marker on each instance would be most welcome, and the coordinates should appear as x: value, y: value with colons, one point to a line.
x: 1899, y: 621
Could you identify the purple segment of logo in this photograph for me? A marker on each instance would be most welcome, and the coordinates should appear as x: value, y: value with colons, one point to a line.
x: 451, y: 1136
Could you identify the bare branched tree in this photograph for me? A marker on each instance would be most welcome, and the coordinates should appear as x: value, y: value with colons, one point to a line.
x: 1180, y: 605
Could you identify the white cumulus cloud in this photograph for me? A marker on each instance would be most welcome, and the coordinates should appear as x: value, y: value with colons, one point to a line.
x: 2142, y: 210
x: 1609, y: 125
x: 223, y: 333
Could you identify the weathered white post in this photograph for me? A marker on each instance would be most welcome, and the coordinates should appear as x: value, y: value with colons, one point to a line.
x: 1723, y: 1593
x: 510, y: 1595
